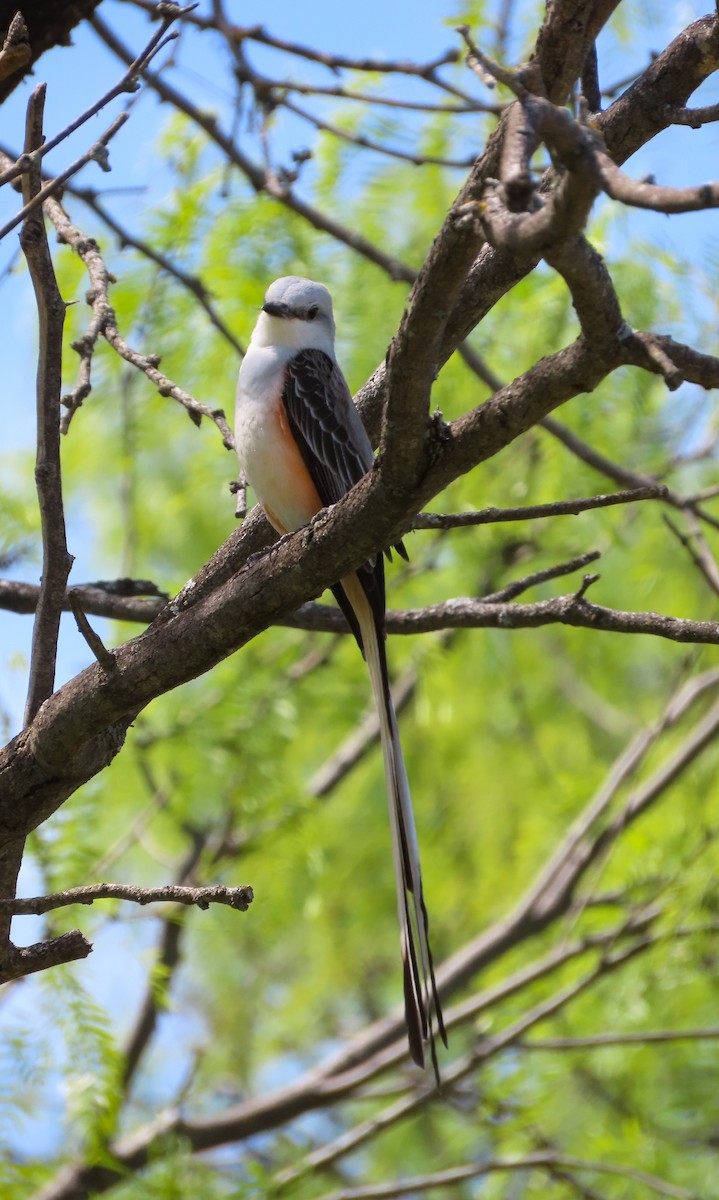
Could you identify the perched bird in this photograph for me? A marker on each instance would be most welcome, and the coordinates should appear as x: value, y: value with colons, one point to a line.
x: 302, y: 446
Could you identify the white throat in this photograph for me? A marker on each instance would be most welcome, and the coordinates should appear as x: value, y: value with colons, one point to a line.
x: 292, y: 334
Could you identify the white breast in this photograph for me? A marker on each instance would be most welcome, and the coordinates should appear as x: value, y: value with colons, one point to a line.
x: 268, y: 454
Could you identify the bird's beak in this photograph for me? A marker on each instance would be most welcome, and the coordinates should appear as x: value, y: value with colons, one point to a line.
x: 277, y: 310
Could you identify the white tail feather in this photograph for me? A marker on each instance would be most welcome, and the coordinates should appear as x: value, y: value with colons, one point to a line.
x: 421, y: 1000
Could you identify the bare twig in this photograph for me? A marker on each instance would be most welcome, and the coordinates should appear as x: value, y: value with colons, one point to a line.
x: 365, y: 143
x: 529, y: 581
x: 531, y: 512
x: 236, y: 897
x: 128, y: 83
x: 104, y: 323
x: 381, y: 100
x: 97, y: 153
x: 697, y: 549
x: 545, y: 1160
x: 192, y: 283
x: 105, y: 658
x: 694, y: 117
x: 639, y: 1038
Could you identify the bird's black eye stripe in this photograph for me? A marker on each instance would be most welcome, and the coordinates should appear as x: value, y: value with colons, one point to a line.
x: 312, y: 312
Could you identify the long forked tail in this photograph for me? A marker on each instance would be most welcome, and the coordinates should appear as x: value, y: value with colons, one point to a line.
x: 421, y: 1000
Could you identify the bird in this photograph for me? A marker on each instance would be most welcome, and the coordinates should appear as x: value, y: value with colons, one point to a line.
x: 301, y: 446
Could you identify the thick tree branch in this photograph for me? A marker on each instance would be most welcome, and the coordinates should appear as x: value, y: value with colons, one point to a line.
x: 646, y: 107
x: 20, y: 597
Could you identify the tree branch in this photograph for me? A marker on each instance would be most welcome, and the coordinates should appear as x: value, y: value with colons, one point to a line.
x: 235, y: 897
x: 97, y: 153
x: 638, y: 1038
x: 28, y: 960
x: 51, y: 315
x: 128, y: 83
x: 545, y: 1160
x: 532, y: 512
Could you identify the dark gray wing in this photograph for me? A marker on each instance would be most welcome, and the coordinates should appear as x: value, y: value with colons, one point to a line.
x: 336, y: 451
x: 325, y: 424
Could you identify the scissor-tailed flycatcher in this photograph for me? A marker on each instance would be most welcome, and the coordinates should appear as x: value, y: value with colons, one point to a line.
x: 302, y: 446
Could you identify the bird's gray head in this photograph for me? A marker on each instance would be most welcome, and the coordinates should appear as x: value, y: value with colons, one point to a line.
x: 296, y: 313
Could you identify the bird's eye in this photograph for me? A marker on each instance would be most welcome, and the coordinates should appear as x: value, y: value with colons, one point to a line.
x: 312, y: 312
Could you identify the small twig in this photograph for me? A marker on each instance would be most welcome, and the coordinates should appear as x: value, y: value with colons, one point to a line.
x: 544, y: 1160
x: 530, y: 581
x: 639, y: 1038
x: 587, y: 582
x: 379, y: 99
x: 530, y: 512
x: 238, y: 488
x: 357, y: 139
x: 235, y: 897
x: 192, y: 283
x: 487, y: 70
x: 654, y: 348
x: 128, y: 83
x: 105, y: 658
x: 97, y: 153
x: 697, y: 549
